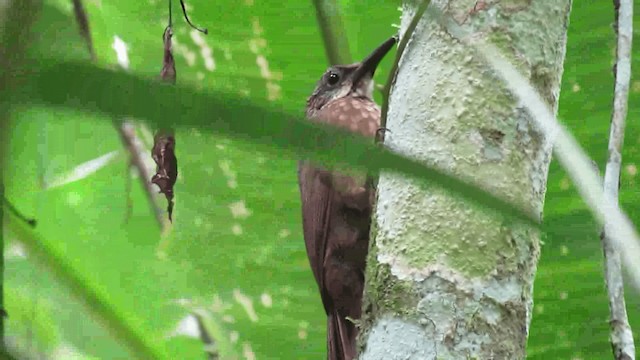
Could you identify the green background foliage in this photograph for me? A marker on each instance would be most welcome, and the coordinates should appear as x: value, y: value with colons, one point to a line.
x: 237, y: 235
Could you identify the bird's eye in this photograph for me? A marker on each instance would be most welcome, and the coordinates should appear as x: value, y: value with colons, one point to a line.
x: 333, y: 78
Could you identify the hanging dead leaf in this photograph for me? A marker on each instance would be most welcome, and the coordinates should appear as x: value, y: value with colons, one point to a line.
x: 168, y: 72
x: 163, y: 154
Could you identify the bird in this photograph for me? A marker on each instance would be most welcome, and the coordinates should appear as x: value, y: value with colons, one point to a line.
x: 337, y: 207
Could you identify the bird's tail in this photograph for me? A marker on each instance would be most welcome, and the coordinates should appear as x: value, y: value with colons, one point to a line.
x: 341, y: 338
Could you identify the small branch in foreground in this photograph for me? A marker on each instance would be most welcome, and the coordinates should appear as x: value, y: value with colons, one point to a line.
x: 621, y: 336
x: 136, y: 151
x: 124, y: 128
x: 83, y: 23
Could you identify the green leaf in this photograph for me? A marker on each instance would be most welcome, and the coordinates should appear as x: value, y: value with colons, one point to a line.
x: 82, y: 86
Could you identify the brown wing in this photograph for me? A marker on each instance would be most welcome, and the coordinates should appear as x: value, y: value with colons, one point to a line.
x: 316, y: 199
x: 319, y: 196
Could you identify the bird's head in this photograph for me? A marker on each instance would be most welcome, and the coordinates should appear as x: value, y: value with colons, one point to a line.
x: 348, y: 80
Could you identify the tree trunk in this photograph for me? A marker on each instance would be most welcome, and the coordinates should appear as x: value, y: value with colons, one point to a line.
x: 447, y: 279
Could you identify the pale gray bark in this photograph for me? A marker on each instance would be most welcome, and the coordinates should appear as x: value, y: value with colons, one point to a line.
x: 621, y: 336
x: 447, y: 279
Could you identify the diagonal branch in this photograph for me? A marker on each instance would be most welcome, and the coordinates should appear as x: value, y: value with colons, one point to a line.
x: 136, y: 152
x: 333, y: 31
x: 124, y: 128
x: 621, y: 336
x: 83, y: 23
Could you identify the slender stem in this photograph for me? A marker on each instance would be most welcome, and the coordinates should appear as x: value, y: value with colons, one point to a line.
x: 333, y: 31
x: 83, y: 23
x: 134, y: 147
x: 184, y: 11
x: 126, y: 134
x: 209, y: 332
x: 621, y: 336
x: 393, y: 73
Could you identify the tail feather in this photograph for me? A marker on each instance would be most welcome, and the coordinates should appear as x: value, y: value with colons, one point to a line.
x: 341, y: 338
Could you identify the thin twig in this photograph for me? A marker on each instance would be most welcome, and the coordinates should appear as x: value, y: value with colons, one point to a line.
x: 621, y: 336
x: 136, y: 151
x: 208, y: 341
x: 83, y: 23
x: 393, y: 73
x: 128, y: 191
x: 184, y: 12
x: 333, y: 31
x: 132, y: 144
x: 9, y: 206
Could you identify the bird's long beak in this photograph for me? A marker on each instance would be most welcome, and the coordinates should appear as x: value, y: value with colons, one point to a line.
x: 370, y: 63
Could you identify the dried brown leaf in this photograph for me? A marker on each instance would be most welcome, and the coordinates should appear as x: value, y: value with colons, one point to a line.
x: 163, y: 154
x: 168, y: 72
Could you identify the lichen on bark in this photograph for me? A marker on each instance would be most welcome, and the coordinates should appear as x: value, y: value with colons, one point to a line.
x: 450, y: 277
